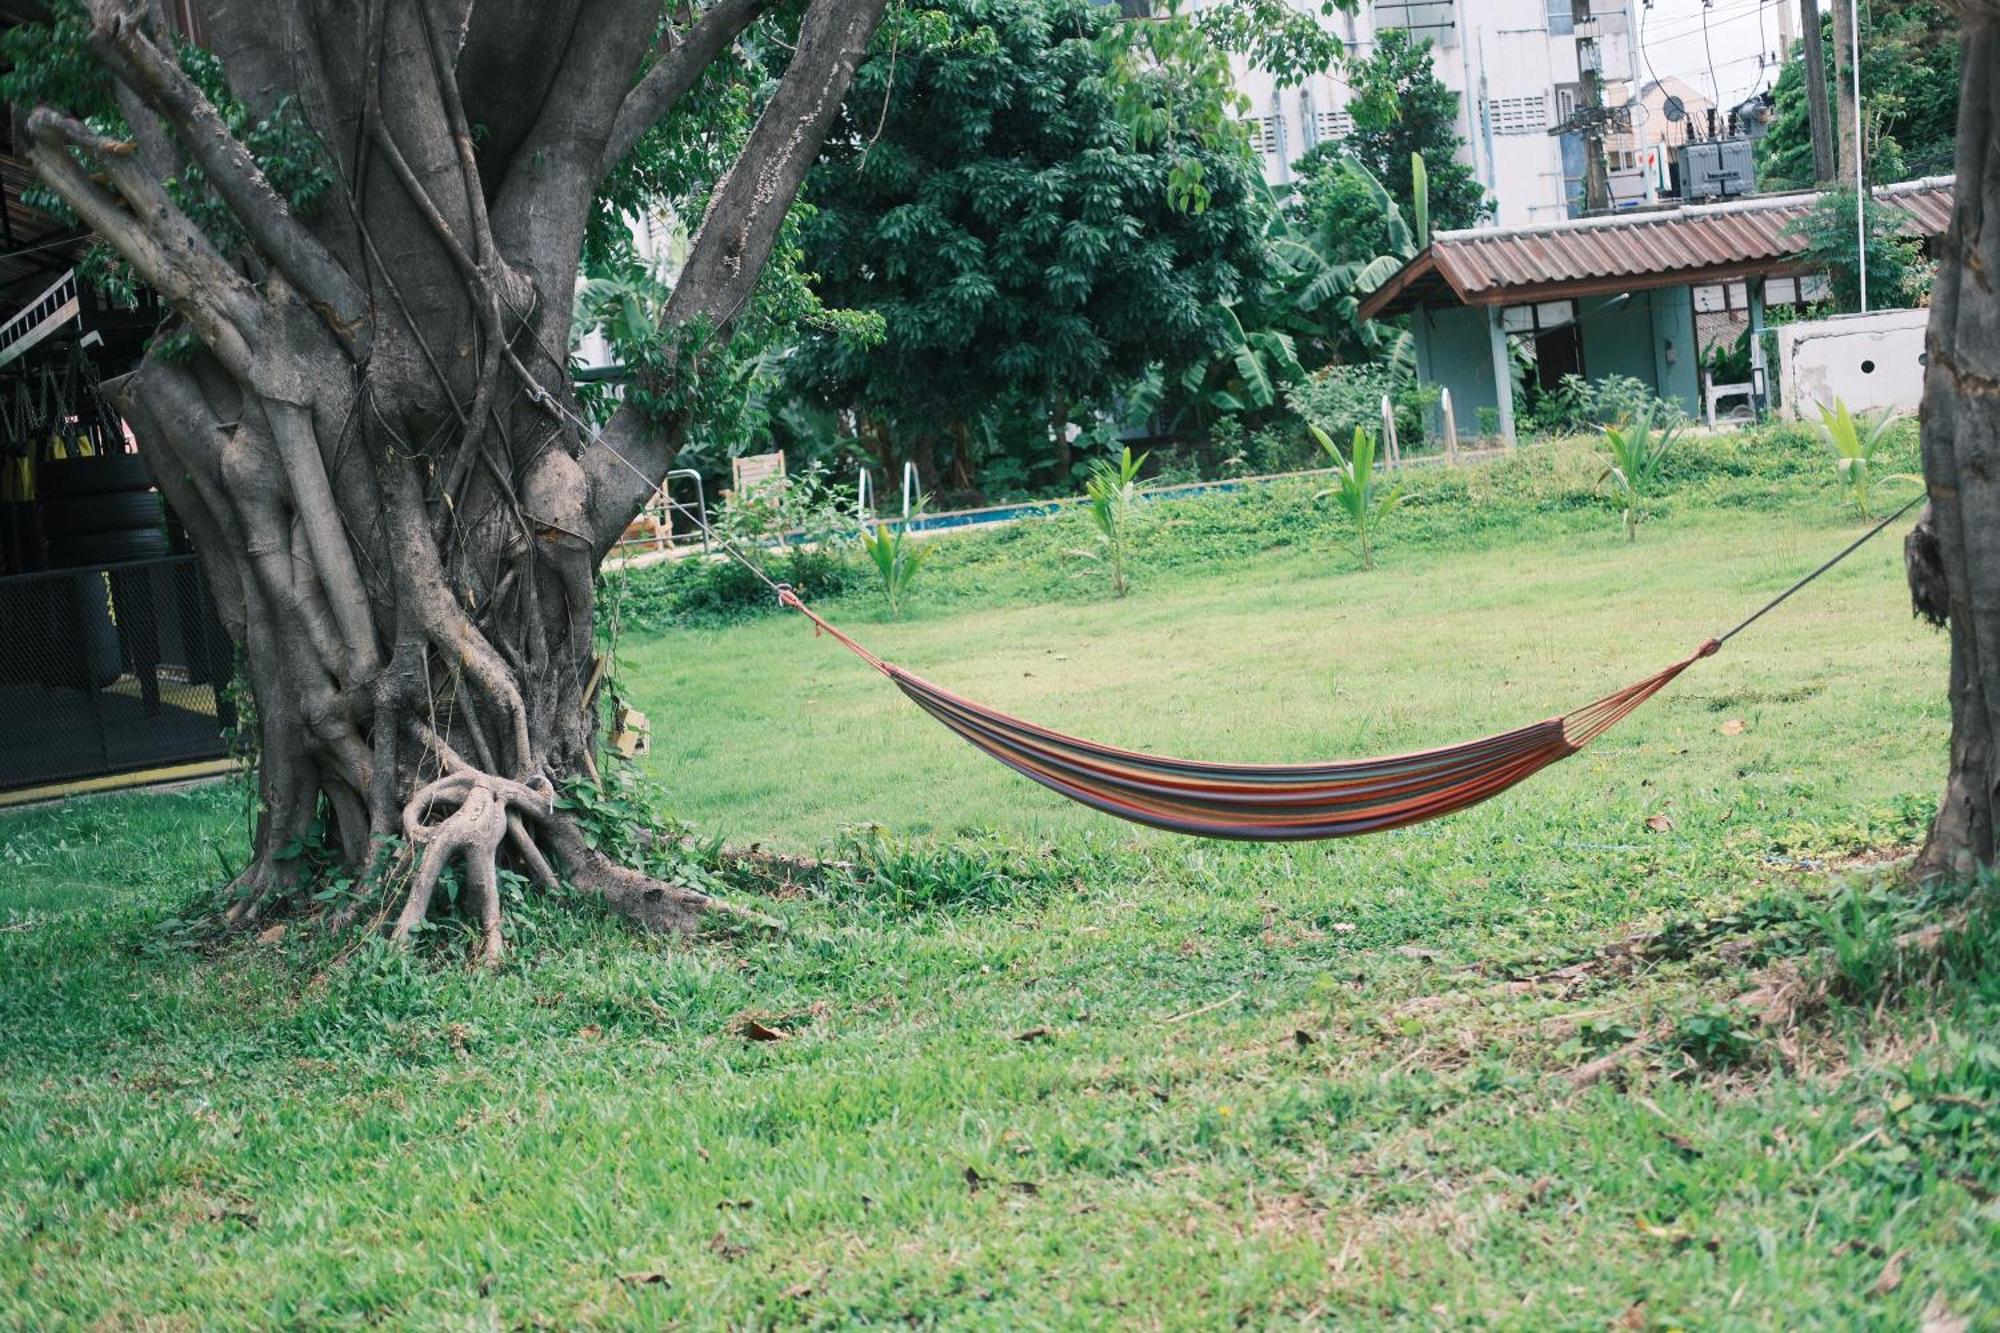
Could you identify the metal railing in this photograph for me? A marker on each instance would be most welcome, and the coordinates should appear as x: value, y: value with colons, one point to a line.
x: 110, y: 669
x: 48, y: 312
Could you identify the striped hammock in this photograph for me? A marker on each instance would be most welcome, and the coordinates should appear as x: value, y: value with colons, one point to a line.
x: 1267, y: 802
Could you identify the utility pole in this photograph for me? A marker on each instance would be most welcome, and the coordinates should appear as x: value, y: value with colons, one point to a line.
x: 1592, y: 119
x: 1849, y: 124
x: 1817, y: 111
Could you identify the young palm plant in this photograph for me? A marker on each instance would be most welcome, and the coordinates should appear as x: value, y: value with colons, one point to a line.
x: 1856, y: 441
x: 1638, y: 454
x: 896, y: 558
x: 1112, y: 491
x: 1356, y: 489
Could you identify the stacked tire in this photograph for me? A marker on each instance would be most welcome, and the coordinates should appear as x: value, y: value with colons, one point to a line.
x: 103, y: 511
x: 100, y: 511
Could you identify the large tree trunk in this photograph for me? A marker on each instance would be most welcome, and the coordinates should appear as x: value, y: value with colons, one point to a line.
x: 1954, y: 553
x: 375, y: 446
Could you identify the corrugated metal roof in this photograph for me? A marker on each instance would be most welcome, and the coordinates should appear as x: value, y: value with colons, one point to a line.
x: 1631, y: 251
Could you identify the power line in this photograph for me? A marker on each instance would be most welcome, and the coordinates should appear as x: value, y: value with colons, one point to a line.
x: 1714, y: 84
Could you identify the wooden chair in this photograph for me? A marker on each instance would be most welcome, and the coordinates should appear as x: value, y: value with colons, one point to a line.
x: 754, y: 472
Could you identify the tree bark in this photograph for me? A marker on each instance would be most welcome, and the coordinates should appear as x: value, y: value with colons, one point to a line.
x: 376, y: 445
x: 1818, y: 113
x: 1848, y: 127
x: 1954, y: 553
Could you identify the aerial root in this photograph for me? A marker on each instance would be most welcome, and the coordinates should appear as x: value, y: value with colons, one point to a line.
x: 488, y: 809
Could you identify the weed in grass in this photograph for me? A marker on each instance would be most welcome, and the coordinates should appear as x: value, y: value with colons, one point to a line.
x: 1714, y: 1036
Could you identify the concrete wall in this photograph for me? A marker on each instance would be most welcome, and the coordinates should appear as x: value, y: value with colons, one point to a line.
x: 1649, y: 336
x: 1499, y: 56
x: 1676, y: 348
x: 1867, y: 361
x: 1455, y: 352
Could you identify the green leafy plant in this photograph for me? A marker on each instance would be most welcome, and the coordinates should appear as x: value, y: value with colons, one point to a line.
x: 1112, y: 491
x: 1856, y: 441
x: 1356, y: 489
x: 895, y: 557
x: 1714, y: 1037
x: 1638, y: 456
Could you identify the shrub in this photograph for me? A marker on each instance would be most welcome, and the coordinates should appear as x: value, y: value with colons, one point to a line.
x: 1577, y: 406
x: 1341, y: 397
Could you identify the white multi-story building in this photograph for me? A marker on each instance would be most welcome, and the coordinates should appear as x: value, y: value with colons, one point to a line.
x: 1520, y: 69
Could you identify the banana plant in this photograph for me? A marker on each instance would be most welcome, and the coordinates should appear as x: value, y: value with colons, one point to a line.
x: 1856, y: 441
x: 1356, y: 489
x: 1638, y: 455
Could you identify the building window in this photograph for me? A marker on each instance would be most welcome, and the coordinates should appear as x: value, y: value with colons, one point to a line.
x: 1424, y: 18
x: 1562, y: 17
x: 1264, y: 135
x: 1333, y: 124
x: 1518, y: 115
x: 1539, y: 318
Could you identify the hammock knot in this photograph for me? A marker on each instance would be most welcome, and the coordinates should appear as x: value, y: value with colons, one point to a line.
x: 1709, y: 648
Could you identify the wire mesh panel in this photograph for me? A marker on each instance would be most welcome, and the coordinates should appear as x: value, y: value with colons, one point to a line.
x: 108, y: 669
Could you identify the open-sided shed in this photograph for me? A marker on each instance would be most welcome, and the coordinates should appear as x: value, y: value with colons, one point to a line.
x: 1612, y: 295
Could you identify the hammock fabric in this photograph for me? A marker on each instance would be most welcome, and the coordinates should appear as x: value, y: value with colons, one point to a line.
x: 1267, y: 802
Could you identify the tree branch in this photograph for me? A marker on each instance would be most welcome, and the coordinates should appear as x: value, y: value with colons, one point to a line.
x: 131, y: 55
x: 674, y: 73
x: 159, y: 240
x: 736, y: 236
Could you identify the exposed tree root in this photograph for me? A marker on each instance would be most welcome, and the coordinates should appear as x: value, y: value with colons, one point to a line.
x: 651, y: 904
x: 472, y: 833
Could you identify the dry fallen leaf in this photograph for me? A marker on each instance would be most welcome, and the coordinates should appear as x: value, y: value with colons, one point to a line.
x: 1733, y: 727
x: 798, y: 1293
x: 726, y: 1247
x: 273, y: 935
x: 648, y: 1278
x: 1302, y: 1038
x: 1634, y: 1316
x: 1938, y: 1318
x: 752, y: 1030
x: 1660, y: 823
x: 590, y: 1032
x: 1033, y: 1034
x: 1892, y: 1275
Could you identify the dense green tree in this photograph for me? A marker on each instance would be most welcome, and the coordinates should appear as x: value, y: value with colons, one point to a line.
x: 1909, y: 89
x: 1030, y: 235
x: 1402, y: 110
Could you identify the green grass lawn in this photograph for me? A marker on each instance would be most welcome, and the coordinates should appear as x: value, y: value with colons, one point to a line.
x: 1043, y: 1070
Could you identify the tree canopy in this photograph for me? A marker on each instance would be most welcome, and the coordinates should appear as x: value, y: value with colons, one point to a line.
x: 1400, y: 108
x: 1910, y: 51
x: 987, y: 195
